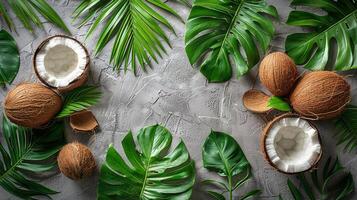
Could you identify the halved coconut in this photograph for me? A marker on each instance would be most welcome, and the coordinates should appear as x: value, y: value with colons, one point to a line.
x: 61, y: 62
x: 83, y: 121
x: 256, y: 101
x: 291, y: 144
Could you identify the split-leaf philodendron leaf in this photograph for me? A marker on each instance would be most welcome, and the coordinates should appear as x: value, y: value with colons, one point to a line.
x: 9, y: 58
x: 152, y: 172
x: 222, y: 154
x: 135, y: 25
x: 313, y: 49
x: 217, y: 30
x: 23, y: 150
x: 331, y: 182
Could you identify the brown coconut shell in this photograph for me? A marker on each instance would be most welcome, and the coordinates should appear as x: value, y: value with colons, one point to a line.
x: 32, y: 105
x: 264, y: 135
x: 256, y: 101
x: 76, y: 161
x: 83, y: 121
x: 320, y: 95
x: 74, y: 84
x: 278, y: 73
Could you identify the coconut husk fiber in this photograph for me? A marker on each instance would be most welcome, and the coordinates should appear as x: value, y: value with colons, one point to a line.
x: 320, y: 95
x: 83, y: 121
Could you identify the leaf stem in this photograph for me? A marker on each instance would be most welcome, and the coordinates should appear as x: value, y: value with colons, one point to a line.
x: 230, y: 187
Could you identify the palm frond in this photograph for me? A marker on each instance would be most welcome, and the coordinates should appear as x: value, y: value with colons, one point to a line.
x: 331, y: 182
x: 25, y: 150
x: 346, y: 125
x: 26, y: 11
x: 135, y: 26
x: 80, y: 99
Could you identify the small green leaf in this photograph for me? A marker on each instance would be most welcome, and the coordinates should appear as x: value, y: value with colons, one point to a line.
x: 278, y: 104
x: 80, y: 99
x: 9, y: 58
x: 251, y: 194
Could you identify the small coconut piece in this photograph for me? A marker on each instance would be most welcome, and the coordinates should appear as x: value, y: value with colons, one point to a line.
x: 32, y: 105
x: 83, y: 121
x: 76, y: 161
x: 320, y: 95
x: 256, y: 101
x: 291, y: 144
x: 61, y: 62
x: 278, y: 73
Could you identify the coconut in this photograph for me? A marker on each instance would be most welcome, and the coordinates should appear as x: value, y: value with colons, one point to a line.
x: 32, y: 105
x: 278, y: 73
x: 256, y: 101
x: 83, y: 121
x: 76, y: 161
x: 320, y: 95
x: 291, y: 144
x: 61, y: 62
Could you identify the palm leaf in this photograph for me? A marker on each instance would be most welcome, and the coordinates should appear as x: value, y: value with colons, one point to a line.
x: 9, y: 58
x: 25, y: 10
x: 222, y: 154
x: 79, y: 99
x: 336, y: 183
x: 135, y: 26
x: 151, y: 174
x: 347, y: 127
x: 218, y: 29
x: 313, y: 48
x: 23, y: 150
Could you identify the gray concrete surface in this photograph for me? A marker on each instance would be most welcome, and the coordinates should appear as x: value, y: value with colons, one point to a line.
x: 176, y: 95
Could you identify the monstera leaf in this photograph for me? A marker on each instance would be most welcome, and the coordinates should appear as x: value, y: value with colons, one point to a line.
x: 332, y: 182
x: 25, y: 11
x: 23, y: 151
x: 313, y: 48
x: 346, y: 124
x: 151, y: 174
x: 222, y: 154
x: 9, y: 58
x: 135, y: 25
x: 217, y: 30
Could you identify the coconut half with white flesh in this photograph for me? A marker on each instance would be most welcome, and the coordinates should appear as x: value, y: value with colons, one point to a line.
x: 291, y: 144
x: 61, y: 62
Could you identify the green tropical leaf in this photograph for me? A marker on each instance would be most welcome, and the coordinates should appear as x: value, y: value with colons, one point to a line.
x: 26, y: 10
x: 135, y: 25
x: 152, y: 173
x: 222, y: 154
x: 79, y: 99
x: 313, y: 48
x: 278, y: 104
x: 24, y: 150
x: 9, y: 58
x: 335, y: 183
x: 217, y: 30
x: 346, y: 125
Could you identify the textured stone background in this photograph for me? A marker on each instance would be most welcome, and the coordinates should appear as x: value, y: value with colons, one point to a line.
x: 173, y: 94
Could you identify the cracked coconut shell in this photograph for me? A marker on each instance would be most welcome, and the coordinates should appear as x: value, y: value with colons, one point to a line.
x: 32, y: 105
x: 278, y: 73
x: 76, y: 161
x: 83, y: 121
x: 256, y: 101
x: 320, y: 95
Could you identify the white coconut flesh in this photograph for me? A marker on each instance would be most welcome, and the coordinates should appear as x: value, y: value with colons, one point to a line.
x: 61, y: 61
x: 293, y: 145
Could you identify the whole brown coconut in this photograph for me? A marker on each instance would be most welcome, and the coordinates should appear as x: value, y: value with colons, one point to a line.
x: 278, y: 73
x: 76, y: 161
x: 320, y: 95
x: 32, y: 105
